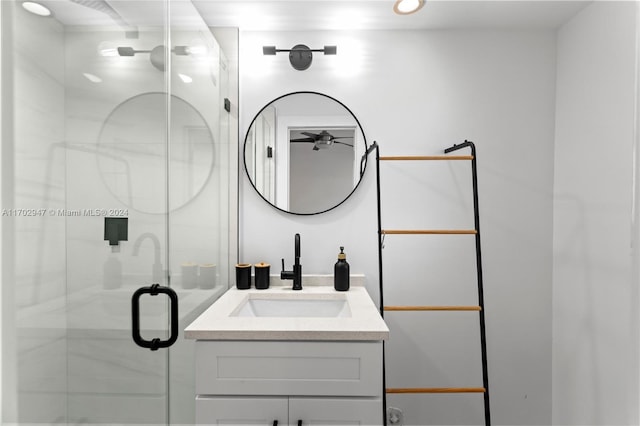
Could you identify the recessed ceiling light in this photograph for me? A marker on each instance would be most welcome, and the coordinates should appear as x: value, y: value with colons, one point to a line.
x: 36, y: 8
x: 406, y: 7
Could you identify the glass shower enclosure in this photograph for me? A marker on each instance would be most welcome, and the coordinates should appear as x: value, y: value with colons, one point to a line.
x: 118, y: 164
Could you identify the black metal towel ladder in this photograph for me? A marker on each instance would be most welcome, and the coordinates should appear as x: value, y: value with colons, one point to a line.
x: 478, y: 308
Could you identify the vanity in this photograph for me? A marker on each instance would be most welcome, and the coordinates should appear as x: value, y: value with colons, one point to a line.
x: 285, y: 357
x: 295, y: 357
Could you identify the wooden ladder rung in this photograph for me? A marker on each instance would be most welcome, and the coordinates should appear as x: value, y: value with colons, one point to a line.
x: 432, y: 308
x: 427, y: 231
x: 425, y: 157
x: 436, y: 390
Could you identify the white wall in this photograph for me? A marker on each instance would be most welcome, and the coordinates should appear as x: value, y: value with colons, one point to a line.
x: 418, y: 92
x: 594, y: 308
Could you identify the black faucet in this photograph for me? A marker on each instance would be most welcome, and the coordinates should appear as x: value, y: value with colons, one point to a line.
x: 296, y: 274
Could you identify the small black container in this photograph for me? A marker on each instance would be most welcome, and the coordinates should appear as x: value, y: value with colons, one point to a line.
x: 243, y: 276
x: 262, y: 275
x: 341, y: 272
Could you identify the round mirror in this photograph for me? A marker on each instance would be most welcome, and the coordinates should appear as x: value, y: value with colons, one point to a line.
x: 132, y: 152
x: 304, y: 153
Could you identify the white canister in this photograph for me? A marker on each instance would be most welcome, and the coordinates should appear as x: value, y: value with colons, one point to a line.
x: 208, y: 275
x: 189, y: 275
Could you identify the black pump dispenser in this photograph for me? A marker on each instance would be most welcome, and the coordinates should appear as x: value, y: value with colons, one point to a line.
x: 341, y: 272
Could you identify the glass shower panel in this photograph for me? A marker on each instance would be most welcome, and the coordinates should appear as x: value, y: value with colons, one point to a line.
x: 117, y: 135
x: 117, y: 157
x: 88, y: 142
x: 199, y: 182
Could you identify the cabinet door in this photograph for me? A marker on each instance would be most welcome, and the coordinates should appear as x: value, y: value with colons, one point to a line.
x: 241, y: 411
x: 335, y: 411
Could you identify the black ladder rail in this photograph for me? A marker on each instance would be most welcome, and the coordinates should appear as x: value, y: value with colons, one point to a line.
x: 375, y: 146
x: 476, y: 216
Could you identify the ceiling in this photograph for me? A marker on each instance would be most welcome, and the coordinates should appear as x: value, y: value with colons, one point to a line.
x: 297, y: 15
x: 318, y: 15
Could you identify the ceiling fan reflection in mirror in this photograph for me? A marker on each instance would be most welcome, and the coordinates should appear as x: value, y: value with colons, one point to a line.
x: 323, y: 139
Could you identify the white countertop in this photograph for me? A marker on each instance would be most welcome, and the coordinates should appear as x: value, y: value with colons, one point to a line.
x: 218, y: 322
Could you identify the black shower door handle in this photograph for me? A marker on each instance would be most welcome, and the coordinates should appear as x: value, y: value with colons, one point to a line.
x: 154, y: 290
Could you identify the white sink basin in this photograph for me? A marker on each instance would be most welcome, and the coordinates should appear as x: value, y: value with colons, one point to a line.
x: 294, y: 308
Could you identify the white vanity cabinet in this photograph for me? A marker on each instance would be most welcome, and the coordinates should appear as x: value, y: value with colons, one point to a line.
x: 223, y: 411
x: 335, y: 411
x: 308, y: 366
x: 312, y: 382
x: 292, y: 411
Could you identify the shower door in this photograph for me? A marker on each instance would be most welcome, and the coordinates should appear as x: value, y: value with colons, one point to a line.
x: 116, y: 171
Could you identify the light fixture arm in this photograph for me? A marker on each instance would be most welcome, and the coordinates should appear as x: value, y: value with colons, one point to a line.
x: 130, y: 51
x: 300, y: 55
x: 156, y: 55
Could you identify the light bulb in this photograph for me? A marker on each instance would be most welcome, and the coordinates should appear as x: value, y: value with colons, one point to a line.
x: 107, y: 48
x: 92, y: 77
x: 185, y: 78
x: 36, y: 8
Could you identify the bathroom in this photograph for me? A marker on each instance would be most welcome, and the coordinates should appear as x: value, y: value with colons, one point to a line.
x: 540, y: 87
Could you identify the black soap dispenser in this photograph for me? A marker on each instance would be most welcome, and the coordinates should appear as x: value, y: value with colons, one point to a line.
x: 341, y: 272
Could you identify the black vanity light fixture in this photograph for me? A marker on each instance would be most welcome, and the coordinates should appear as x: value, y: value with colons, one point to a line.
x: 407, y: 7
x: 130, y: 51
x: 300, y: 56
x: 156, y: 55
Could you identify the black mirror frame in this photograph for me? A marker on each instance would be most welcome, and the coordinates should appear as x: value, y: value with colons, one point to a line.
x: 363, y: 164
